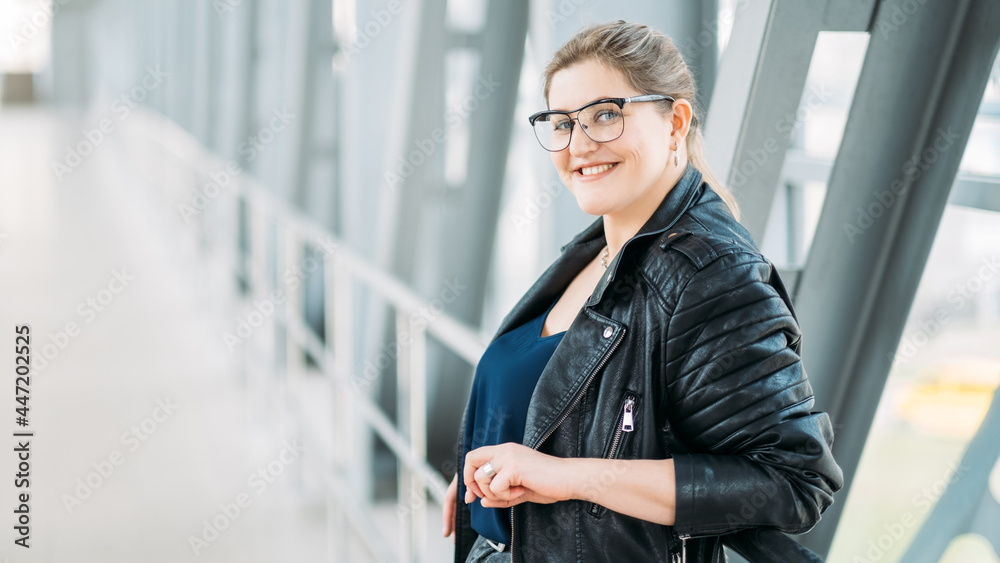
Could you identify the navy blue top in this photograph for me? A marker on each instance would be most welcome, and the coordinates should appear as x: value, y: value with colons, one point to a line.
x: 498, y: 405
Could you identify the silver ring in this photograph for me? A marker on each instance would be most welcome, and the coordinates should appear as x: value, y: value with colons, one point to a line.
x: 488, y: 470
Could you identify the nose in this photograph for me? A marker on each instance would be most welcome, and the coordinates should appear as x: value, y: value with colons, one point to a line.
x: 579, y: 142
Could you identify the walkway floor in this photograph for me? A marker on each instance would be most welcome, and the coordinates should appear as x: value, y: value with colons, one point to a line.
x: 141, y: 425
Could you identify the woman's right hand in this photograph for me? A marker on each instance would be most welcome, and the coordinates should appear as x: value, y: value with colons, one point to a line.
x: 450, y: 501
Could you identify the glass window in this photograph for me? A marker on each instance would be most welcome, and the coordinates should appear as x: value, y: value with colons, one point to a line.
x: 944, y: 377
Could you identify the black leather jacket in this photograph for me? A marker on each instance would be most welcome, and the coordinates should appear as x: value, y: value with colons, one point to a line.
x: 692, y: 330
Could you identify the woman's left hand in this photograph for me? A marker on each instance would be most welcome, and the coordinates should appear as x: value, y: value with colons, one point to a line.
x: 521, y: 475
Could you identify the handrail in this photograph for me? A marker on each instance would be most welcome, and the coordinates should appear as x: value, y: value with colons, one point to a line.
x: 343, y: 267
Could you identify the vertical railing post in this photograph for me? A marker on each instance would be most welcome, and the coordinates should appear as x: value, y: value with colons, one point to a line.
x: 340, y: 346
x: 253, y: 353
x: 404, y: 383
x: 294, y: 364
x: 412, y: 421
x: 418, y: 435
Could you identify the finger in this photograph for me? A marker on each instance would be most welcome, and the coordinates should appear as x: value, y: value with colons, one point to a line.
x: 474, y: 489
x: 468, y: 473
x: 486, y: 481
x: 451, y: 495
x: 473, y: 461
x: 500, y: 485
x: 471, y: 486
x: 515, y: 499
x: 448, y: 526
x: 484, y: 484
x: 478, y: 459
x: 513, y: 493
x: 449, y: 521
x: 511, y: 497
x: 518, y: 495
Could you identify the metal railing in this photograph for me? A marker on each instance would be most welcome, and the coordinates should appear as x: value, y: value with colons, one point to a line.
x: 246, y: 233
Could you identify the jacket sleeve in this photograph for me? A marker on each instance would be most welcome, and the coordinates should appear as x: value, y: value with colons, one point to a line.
x: 739, y: 397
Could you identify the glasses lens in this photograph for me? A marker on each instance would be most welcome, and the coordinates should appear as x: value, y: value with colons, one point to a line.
x: 603, y: 122
x: 553, y: 130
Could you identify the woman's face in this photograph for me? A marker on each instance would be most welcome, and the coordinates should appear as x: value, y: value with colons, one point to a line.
x: 616, y: 176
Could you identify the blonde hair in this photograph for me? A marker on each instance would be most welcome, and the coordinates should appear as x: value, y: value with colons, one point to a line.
x: 651, y: 64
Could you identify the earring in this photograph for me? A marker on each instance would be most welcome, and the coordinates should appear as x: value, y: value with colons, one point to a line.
x: 677, y: 161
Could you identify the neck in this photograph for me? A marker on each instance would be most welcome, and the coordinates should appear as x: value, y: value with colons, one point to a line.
x: 622, y: 225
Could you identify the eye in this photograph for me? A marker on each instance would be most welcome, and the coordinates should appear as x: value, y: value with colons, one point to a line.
x: 606, y: 116
x: 562, y: 125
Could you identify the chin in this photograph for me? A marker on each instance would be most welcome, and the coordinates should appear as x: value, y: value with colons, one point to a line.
x: 595, y: 206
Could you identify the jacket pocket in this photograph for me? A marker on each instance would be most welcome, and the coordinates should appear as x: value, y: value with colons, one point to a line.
x: 625, y: 424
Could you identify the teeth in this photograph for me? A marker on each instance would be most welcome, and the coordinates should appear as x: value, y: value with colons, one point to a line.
x: 591, y: 170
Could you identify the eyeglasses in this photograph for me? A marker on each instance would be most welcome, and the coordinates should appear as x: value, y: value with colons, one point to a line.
x: 601, y: 120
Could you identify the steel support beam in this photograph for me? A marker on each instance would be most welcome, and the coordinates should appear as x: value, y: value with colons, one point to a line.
x: 421, y: 213
x: 469, y: 255
x: 310, y: 32
x: 759, y: 87
x: 247, y: 77
x: 915, y: 103
x: 693, y: 27
x: 977, y: 192
x: 206, y: 74
x: 72, y: 69
x: 970, y: 190
x: 967, y: 504
x: 417, y: 109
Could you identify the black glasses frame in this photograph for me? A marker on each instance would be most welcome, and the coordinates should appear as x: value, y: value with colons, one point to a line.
x: 620, y: 102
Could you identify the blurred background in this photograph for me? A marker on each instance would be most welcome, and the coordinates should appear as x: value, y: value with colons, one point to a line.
x: 260, y: 245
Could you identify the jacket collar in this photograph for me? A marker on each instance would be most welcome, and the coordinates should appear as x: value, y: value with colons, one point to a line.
x: 678, y: 200
x: 588, y: 243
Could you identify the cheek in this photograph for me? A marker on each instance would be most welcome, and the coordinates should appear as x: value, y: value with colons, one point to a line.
x: 649, y: 156
x: 646, y: 158
x: 560, y: 162
x: 649, y: 145
x: 558, y: 159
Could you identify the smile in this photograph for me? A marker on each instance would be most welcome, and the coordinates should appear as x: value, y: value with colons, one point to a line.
x: 594, y: 170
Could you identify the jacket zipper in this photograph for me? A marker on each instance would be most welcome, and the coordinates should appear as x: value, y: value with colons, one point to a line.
x: 565, y: 415
x: 624, y: 424
x: 681, y: 557
x: 512, y: 534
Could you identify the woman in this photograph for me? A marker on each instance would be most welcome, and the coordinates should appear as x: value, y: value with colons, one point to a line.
x: 645, y: 397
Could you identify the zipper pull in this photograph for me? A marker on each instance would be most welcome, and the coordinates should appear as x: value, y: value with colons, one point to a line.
x: 680, y: 556
x: 627, y: 416
x: 684, y: 554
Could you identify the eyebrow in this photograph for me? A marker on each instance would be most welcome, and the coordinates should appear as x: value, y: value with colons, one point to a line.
x: 591, y: 101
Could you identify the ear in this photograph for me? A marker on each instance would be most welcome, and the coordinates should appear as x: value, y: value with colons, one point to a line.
x: 680, y: 120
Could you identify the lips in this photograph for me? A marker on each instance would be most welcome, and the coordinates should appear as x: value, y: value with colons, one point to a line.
x: 595, y: 169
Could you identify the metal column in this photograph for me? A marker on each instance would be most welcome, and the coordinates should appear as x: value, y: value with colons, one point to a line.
x: 310, y: 78
x: 247, y: 77
x: 759, y: 86
x: 421, y: 212
x: 921, y: 84
x: 967, y: 505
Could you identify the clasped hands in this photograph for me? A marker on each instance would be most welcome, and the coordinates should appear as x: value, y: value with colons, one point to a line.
x: 521, y: 474
x: 641, y: 488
